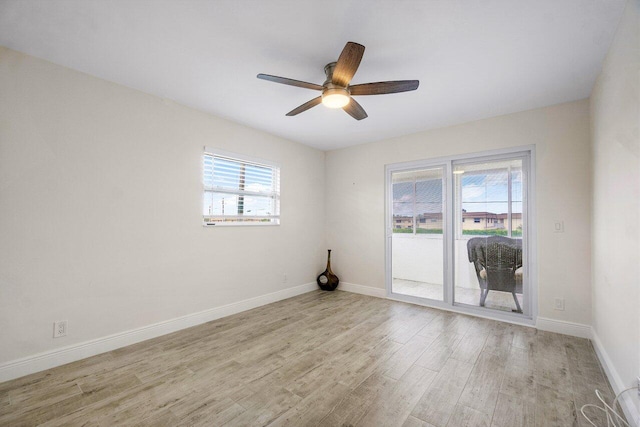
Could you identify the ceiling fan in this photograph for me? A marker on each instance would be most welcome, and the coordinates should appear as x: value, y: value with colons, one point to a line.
x: 336, y: 91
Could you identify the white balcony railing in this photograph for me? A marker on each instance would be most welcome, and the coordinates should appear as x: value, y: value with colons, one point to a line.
x: 419, y: 258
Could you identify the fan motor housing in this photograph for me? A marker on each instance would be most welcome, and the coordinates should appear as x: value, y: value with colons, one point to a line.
x: 328, y: 71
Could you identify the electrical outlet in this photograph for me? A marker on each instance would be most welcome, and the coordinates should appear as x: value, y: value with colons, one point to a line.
x: 559, y: 304
x: 284, y: 278
x: 60, y: 329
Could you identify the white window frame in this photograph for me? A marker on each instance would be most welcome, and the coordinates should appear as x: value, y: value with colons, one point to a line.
x: 241, y: 158
x: 530, y: 306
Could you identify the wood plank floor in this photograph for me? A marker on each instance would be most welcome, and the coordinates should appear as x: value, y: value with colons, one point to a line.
x: 326, y: 359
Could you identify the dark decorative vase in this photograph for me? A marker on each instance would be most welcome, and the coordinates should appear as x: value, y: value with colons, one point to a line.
x: 327, y: 280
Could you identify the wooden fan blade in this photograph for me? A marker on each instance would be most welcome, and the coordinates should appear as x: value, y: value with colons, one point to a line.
x: 355, y: 110
x: 290, y: 82
x: 347, y: 64
x: 381, y: 88
x: 304, y: 107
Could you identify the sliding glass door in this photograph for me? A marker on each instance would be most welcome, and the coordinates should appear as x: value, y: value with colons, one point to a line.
x: 458, y: 233
x: 488, y: 228
x: 417, y: 232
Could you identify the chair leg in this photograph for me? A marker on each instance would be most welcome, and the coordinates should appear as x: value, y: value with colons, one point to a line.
x: 483, y: 296
x: 515, y: 298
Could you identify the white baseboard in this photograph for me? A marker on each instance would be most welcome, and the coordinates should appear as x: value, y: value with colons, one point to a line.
x: 364, y: 290
x: 562, y: 327
x: 626, y: 401
x: 542, y: 323
x: 50, y: 359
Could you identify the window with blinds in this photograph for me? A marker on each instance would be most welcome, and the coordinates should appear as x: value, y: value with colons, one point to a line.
x: 240, y: 191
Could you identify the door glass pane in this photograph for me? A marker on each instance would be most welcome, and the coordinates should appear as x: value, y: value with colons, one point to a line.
x: 417, y: 240
x: 488, y: 234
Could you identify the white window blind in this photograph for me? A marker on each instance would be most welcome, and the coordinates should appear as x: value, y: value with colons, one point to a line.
x: 240, y: 191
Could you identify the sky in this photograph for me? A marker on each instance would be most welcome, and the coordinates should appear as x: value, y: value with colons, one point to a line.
x: 482, y: 191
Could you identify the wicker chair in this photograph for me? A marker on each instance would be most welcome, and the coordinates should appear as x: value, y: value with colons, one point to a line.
x: 498, y: 264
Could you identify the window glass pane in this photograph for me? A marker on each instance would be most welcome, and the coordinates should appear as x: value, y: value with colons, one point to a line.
x: 483, y: 196
x: 258, y: 206
x: 230, y: 190
x: 480, y: 188
x: 516, y: 202
x: 417, y: 194
x: 226, y: 174
x: 208, y: 171
x: 207, y: 205
x: 258, y: 178
x: 221, y: 203
x: 516, y: 219
x: 516, y: 185
x: 429, y: 206
x: 488, y: 243
x: 418, y: 255
x: 235, y: 175
x: 403, y: 201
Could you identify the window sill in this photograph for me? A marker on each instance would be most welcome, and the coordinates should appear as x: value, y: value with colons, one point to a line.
x: 239, y: 225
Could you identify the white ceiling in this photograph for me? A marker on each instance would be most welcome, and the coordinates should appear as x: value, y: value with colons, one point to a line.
x: 474, y: 59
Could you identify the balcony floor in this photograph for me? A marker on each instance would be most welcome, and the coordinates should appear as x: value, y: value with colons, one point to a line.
x: 495, y: 300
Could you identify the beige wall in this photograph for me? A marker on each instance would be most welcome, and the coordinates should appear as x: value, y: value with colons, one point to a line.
x: 101, y: 204
x: 615, y: 114
x: 355, y: 183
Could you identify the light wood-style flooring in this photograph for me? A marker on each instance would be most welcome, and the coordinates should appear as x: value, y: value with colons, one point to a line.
x: 496, y: 300
x: 326, y: 359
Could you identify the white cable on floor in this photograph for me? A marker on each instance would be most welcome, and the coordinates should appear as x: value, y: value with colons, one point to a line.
x: 608, y: 410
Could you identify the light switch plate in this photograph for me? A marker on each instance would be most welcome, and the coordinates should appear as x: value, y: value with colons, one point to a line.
x: 559, y: 304
x: 558, y: 227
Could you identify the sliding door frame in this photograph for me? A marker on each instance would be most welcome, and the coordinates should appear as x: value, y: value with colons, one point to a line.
x: 528, y: 235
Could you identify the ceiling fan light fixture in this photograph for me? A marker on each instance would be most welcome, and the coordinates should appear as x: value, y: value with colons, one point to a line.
x: 335, y: 97
x: 337, y: 89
